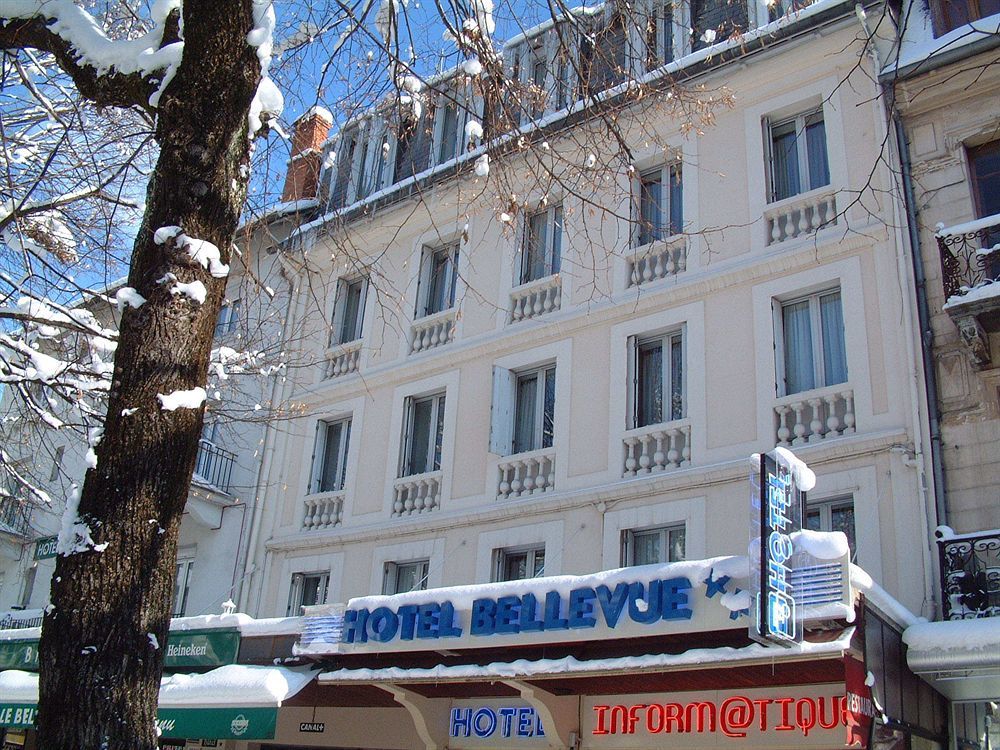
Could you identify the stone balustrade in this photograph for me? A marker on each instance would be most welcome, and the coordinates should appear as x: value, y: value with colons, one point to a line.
x: 323, y: 511
x: 814, y: 416
x: 535, y: 298
x: 800, y: 215
x: 342, y: 359
x: 531, y: 473
x: 420, y: 493
x: 658, y: 260
x: 434, y: 330
x: 656, y: 448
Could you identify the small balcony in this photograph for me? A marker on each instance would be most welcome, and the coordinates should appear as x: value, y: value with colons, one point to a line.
x: 15, y: 515
x: 416, y: 494
x: 970, y: 575
x: 658, y: 260
x: 970, y: 273
x: 433, y: 331
x: 529, y: 473
x: 536, y: 298
x: 342, y: 359
x: 656, y: 448
x: 214, y: 465
x: 814, y: 416
x: 323, y: 511
x: 801, y: 215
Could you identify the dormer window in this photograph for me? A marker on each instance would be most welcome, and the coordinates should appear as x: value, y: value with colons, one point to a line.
x: 950, y: 14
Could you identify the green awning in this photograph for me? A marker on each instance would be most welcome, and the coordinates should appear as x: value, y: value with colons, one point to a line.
x: 232, y: 702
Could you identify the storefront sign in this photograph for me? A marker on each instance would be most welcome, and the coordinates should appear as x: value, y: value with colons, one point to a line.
x: 860, y: 705
x: 204, y: 648
x: 776, y: 504
x: 581, y: 608
x: 18, y: 715
x: 217, y: 723
x: 46, y: 548
x: 315, y: 727
x: 486, y: 722
x: 19, y: 655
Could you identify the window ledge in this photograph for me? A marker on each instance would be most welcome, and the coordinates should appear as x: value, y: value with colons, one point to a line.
x: 527, y: 473
x: 342, y: 359
x: 814, y: 416
x: 323, y: 510
x: 433, y: 330
x: 417, y: 493
x: 657, y: 260
x: 536, y: 298
x: 657, y: 447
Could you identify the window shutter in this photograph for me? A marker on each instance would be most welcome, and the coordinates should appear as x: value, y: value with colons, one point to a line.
x: 502, y: 415
x: 780, y: 384
x: 626, y: 557
x: 633, y: 377
x: 316, y: 471
x: 423, y: 274
x: 388, y: 578
x: 404, y: 444
x: 768, y: 161
x: 295, y: 595
x: 360, y: 323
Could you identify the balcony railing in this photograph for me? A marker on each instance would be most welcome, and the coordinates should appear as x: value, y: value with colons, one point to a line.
x: 658, y: 260
x: 656, y: 448
x: 21, y: 618
x: 531, y: 473
x: 970, y: 575
x: 535, y: 298
x: 342, y: 359
x: 324, y: 511
x: 814, y: 416
x: 432, y: 331
x: 800, y: 215
x: 970, y: 255
x: 416, y: 494
x: 214, y: 465
x: 15, y: 515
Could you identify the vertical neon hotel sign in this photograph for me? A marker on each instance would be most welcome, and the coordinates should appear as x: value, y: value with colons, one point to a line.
x: 776, y: 504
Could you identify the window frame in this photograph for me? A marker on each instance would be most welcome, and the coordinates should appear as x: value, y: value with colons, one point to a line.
x: 669, y: 174
x: 435, y: 442
x: 502, y: 555
x: 428, y: 268
x: 319, y: 456
x: 664, y: 531
x: 551, y: 254
x: 543, y: 375
x: 825, y: 507
x: 184, y: 565
x: 297, y: 589
x: 391, y: 572
x: 229, y: 316
x: 667, y: 376
x: 942, y: 21
x: 973, y: 153
x: 799, y: 121
x: 340, y: 306
x: 816, y: 334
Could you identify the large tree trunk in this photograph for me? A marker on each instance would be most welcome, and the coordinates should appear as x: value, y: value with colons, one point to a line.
x: 100, y: 665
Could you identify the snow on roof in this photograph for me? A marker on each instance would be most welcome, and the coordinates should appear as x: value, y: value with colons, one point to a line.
x: 976, y: 294
x: 231, y: 685
x: 316, y: 110
x: 878, y: 596
x: 959, y: 635
x: 246, y: 624
x: 242, y: 684
x: 920, y: 45
x: 524, y: 668
x: 968, y: 227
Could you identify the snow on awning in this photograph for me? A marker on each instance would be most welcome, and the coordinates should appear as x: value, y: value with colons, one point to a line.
x: 523, y: 668
x: 960, y: 658
x: 235, y: 701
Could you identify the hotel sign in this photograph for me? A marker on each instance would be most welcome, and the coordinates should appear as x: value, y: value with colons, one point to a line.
x: 776, y: 513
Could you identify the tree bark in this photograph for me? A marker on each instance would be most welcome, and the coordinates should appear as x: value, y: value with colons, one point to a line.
x: 100, y: 664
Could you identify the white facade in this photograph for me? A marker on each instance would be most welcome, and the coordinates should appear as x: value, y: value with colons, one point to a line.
x: 588, y: 478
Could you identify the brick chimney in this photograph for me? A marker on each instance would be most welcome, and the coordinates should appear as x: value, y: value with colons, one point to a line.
x: 309, y: 133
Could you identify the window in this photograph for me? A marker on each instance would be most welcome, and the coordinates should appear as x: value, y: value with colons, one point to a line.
x: 330, y: 456
x: 423, y: 435
x: 57, y: 460
x: 519, y: 563
x: 534, y: 409
x: 307, y: 589
x: 402, y: 577
x: 716, y: 20
x: 650, y: 546
x: 449, y: 132
x: 812, y: 342
x: 438, y: 277
x: 349, y: 311
x: 229, y: 316
x: 349, y: 145
x: 373, y: 160
x: 657, y: 372
x: 950, y: 14
x: 797, y: 155
x: 833, y: 515
x: 984, y: 169
x: 182, y: 585
x: 660, y: 35
x: 660, y: 204
x: 542, y: 244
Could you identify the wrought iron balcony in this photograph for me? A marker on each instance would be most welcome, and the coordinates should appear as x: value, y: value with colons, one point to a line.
x: 970, y: 272
x: 214, y: 465
x: 970, y: 575
x: 15, y: 515
x: 966, y: 262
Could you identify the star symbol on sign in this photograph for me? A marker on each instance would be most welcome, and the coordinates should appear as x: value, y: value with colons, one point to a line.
x: 715, y: 585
